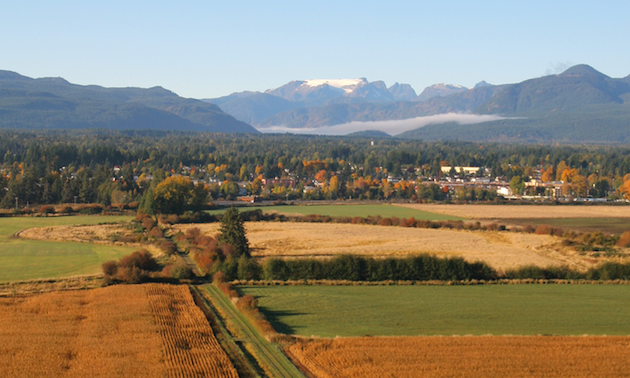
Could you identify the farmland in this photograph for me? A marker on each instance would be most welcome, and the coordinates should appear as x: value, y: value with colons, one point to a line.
x: 329, y: 311
x: 502, y: 356
x: 500, y: 250
x: 384, y: 211
x: 606, y: 225
x: 23, y: 259
x: 120, y: 331
x: 524, y: 211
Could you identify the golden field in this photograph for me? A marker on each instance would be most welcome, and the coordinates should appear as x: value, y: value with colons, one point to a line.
x: 523, y: 211
x: 501, y: 250
x: 151, y: 330
x: 468, y: 356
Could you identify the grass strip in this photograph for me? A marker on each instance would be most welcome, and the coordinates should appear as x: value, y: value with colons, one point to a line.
x: 244, y: 363
x: 270, y: 355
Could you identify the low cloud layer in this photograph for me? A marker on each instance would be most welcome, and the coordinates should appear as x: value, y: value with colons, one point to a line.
x: 393, y: 127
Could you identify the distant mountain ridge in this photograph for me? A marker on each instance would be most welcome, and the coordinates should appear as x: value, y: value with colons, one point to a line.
x: 440, y: 90
x: 306, y: 96
x: 54, y: 103
x: 566, y: 107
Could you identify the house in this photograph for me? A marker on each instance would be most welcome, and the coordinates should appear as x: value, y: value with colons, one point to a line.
x: 505, y: 191
x: 466, y: 170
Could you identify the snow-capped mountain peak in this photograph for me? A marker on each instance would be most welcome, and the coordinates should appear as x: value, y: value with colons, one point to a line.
x: 348, y: 85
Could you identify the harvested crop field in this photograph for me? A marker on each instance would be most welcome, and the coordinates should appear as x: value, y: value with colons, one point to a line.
x: 500, y: 250
x: 524, y: 211
x: 107, y: 234
x: 484, y: 356
x: 101, y: 233
x: 148, y: 330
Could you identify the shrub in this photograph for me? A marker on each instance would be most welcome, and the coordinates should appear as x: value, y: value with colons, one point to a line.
x: 193, y: 233
x: 168, y: 247
x: 131, y: 274
x: 528, y: 228
x: 148, y: 223
x: 156, y: 233
x: 110, y: 268
x: 66, y: 210
x: 218, y: 277
x: 91, y: 210
x: 248, y: 269
x: 181, y: 271
x: 610, y: 271
x: 47, y: 209
x: 140, y: 259
x: 134, y: 268
x: 624, y: 240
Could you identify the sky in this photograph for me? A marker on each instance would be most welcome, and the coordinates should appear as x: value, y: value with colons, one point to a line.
x: 208, y: 49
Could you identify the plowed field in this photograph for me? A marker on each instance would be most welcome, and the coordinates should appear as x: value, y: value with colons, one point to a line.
x: 120, y: 331
x: 483, y: 356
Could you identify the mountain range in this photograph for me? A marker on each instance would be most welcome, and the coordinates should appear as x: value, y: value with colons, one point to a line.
x: 579, y: 105
x: 54, y: 103
x: 565, y: 108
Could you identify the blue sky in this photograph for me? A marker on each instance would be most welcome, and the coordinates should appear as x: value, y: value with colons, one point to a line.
x: 205, y: 49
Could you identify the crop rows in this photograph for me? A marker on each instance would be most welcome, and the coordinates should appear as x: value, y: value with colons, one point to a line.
x: 471, y: 356
x: 105, y: 332
x: 190, y: 347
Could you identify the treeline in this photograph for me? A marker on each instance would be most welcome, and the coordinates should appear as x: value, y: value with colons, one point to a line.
x: 412, y: 268
x: 114, y: 167
x: 607, y: 271
x: 356, y: 268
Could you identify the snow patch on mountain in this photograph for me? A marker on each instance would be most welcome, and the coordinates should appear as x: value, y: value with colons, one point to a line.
x: 348, y: 85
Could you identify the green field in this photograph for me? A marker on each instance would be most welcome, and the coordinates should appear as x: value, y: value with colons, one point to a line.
x: 329, y: 311
x: 22, y: 259
x: 384, y: 211
x: 606, y: 225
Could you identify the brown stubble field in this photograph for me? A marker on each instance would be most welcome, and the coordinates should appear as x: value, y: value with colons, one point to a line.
x: 523, y: 211
x: 501, y: 250
x: 468, y: 356
x: 98, y: 234
x: 151, y: 330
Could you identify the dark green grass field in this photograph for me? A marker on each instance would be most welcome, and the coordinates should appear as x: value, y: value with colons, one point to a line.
x: 606, y: 225
x: 329, y: 311
x: 23, y: 259
x: 384, y: 211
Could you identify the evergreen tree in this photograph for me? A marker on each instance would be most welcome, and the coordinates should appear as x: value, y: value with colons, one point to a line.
x: 233, y: 232
x: 147, y: 203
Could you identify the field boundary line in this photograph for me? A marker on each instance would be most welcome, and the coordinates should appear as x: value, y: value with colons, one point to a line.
x: 525, y: 281
x: 271, y: 356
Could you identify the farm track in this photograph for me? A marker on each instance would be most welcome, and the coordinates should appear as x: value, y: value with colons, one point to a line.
x: 274, y: 361
x: 190, y: 347
x: 244, y: 362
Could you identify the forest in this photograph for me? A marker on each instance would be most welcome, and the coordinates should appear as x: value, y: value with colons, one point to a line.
x: 118, y: 167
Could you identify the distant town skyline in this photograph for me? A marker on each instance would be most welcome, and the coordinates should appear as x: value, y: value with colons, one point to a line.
x: 211, y: 49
